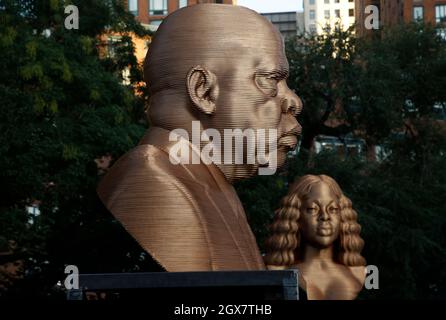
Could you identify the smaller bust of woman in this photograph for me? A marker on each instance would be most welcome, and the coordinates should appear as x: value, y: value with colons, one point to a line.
x: 316, y: 231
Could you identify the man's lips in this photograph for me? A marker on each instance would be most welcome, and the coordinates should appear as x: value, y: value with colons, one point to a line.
x: 288, y: 142
x: 290, y: 138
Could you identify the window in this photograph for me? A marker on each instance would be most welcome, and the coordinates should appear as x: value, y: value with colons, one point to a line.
x: 133, y: 7
x: 440, y: 17
x: 312, y: 14
x: 126, y: 76
x: 336, y: 1
x: 327, y: 14
x: 312, y: 2
x: 418, y: 13
x: 351, y: 12
x: 327, y: 1
x: 337, y: 13
x: 440, y: 13
x: 219, y: 1
x: 182, y: 3
x: 275, y: 18
x: 312, y: 28
x: 158, y: 7
x: 113, y: 43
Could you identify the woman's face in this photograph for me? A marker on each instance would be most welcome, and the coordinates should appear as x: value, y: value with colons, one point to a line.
x: 320, y: 217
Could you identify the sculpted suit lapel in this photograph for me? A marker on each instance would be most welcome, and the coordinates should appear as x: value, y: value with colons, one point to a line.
x: 187, y: 216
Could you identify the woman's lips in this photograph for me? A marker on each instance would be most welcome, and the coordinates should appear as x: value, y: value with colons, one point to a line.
x: 325, y: 231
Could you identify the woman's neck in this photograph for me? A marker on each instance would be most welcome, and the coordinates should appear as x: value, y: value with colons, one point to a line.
x: 317, y: 255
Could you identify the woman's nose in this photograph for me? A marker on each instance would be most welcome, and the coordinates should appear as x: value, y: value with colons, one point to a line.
x: 323, y: 215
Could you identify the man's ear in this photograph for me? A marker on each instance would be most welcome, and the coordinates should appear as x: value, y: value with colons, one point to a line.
x: 202, y: 86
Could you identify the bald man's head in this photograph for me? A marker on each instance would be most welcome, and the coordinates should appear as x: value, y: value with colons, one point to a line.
x: 223, y: 66
x: 206, y: 34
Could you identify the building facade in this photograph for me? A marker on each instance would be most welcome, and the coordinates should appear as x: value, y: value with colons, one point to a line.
x: 152, y: 12
x: 429, y: 11
x: 289, y: 24
x: 392, y: 12
x: 319, y: 14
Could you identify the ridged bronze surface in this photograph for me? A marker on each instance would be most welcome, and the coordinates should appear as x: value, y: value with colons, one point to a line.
x: 225, y: 67
x: 188, y: 217
x: 316, y: 231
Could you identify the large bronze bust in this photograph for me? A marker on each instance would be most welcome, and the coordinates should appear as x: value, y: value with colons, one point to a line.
x: 223, y: 66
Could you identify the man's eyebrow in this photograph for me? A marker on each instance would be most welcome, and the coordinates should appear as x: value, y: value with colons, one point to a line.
x: 276, y: 73
x: 280, y: 73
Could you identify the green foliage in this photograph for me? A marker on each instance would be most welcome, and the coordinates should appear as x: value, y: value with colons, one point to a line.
x: 402, y: 78
x: 324, y: 74
x: 401, y: 200
x: 61, y: 109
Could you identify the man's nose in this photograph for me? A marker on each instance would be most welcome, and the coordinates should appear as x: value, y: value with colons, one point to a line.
x: 291, y: 103
x: 291, y: 107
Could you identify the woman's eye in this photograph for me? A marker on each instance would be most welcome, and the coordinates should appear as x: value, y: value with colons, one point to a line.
x: 267, y: 84
x: 311, y: 209
x: 334, y: 210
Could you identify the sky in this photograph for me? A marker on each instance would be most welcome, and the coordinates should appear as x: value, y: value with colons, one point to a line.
x: 264, y: 6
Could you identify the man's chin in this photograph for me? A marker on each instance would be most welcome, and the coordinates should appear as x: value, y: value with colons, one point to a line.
x: 281, y: 158
x: 236, y: 172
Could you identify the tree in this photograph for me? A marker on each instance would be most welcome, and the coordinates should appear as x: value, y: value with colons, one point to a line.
x: 387, y: 90
x: 62, y: 108
x: 323, y: 71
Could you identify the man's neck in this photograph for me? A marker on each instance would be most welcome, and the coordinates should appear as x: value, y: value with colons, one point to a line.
x: 159, y: 137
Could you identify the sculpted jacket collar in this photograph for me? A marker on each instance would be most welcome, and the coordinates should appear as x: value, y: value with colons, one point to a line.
x: 186, y: 216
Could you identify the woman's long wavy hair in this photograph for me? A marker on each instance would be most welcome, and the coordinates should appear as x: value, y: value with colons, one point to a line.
x: 283, y: 246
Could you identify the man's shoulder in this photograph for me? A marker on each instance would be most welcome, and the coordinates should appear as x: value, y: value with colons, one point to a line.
x: 146, y: 169
x: 151, y: 160
x: 157, y: 208
x: 148, y: 158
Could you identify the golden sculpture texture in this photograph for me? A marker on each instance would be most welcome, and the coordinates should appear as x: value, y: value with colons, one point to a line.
x: 316, y: 231
x: 223, y: 67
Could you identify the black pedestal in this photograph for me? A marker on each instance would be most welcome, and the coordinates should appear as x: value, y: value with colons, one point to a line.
x: 191, y: 286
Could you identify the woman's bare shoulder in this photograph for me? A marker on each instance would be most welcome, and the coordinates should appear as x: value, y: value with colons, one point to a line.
x: 359, y: 273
